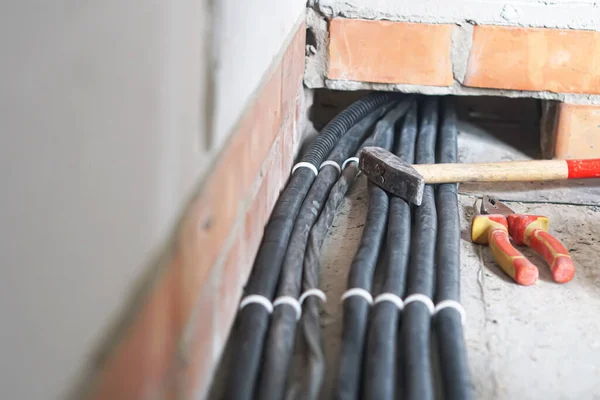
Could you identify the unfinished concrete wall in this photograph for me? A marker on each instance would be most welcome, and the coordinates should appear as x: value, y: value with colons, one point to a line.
x: 104, y: 110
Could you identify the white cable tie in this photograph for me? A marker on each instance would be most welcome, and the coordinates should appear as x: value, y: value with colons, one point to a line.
x: 420, y: 298
x: 290, y: 301
x: 360, y: 292
x: 308, y: 165
x: 452, y: 304
x: 333, y: 164
x: 312, y: 292
x: 349, y: 160
x: 392, y: 298
x: 257, y: 299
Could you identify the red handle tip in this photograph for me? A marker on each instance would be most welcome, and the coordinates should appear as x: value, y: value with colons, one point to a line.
x: 563, y: 269
x: 579, y: 169
x: 526, y: 273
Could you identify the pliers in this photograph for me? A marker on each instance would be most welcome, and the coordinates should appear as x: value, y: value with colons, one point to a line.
x: 497, y: 221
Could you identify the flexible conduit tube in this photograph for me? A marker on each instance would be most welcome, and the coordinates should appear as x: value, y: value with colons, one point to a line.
x: 311, y: 307
x: 281, y: 336
x: 356, y: 308
x: 310, y: 322
x: 252, y: 320
x: 417, y: 314
x: 456, y: 378
x: 380, y: 366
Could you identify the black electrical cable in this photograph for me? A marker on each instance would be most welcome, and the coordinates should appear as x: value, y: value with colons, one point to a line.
x: 380, y: 365
x: 356, y: 308
x: 416, y: 322
x: 281, y: 336
x: 252, y: 320
x: 310, y: 322
x: 311, y: 307
x: 456, y: 378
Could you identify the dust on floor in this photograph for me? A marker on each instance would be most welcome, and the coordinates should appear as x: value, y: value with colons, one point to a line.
x: 538, y: 342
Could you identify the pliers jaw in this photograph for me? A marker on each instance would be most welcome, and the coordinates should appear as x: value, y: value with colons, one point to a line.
x: 491, y: 205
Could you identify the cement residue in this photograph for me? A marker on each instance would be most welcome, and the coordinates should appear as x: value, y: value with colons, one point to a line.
x: 316, y: 49
x: 458, y: 89
x: 566, y: 14
x: 462, y: 40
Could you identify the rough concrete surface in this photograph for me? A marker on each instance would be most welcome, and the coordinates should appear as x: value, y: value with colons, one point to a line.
x: 317, y: 40
x: 455, y: 89
x: 539, y: 342
x: 568, y: 14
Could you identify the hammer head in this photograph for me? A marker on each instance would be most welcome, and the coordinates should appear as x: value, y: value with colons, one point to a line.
x: 392, y: 174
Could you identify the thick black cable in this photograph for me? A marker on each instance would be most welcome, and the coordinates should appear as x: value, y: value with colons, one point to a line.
x: 456, y: 378
x: 311, y: 308
x: 281, y: 336
x: 253, y: 320
x: 282, y: 330
x: 380, y: 365
x: 356, y: 308
x: 311, y: 327
x: 416, y: 322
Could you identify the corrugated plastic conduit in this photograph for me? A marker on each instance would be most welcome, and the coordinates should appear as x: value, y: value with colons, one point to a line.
x: 385, y: 340
x: 253, y: 317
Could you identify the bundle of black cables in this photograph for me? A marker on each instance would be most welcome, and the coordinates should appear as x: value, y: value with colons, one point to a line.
x: 381, y: 356
x: 379, y: 372
x: 311, y: 329
x: 357, y: 299
x: 253, y: 318
x: 418, y: 307
x: 288, y: 260
x: 449, y: 321
x: 287, y: 309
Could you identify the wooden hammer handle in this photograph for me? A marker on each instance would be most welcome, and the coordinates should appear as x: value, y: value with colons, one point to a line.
x: 510, y: 171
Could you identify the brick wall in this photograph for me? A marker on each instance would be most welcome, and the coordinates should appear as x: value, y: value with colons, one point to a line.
x: 171, y: 344
x: 555, y: 64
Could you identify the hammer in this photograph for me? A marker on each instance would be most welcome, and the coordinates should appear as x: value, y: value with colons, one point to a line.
x: 407, y: 181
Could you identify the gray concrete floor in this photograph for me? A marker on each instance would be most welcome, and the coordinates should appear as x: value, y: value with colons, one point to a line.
x: 538, y: 342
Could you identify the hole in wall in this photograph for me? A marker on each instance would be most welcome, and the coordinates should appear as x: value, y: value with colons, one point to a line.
x: 311, y: 38
x: 513, y: 122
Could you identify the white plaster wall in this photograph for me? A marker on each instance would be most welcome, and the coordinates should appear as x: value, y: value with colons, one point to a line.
x: 252, y: 33
x: 579, y: 14
x: 102, y: 141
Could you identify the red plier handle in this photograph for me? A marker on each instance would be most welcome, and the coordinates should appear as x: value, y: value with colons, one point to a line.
x: 493, y: 230
x: 532, y: 230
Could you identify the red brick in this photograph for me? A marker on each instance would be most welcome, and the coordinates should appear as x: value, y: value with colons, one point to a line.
x: 274, y: 173
x: 142, y: 361
x: 577, y: 133
x: 254, y: 222
x: 266, y: 121
x: 287, y: 147
x: 390, y: 52
x: 534, y: 59
x: 212, y: 215
x: 201, y: 358
x: 230, y: 287
x: 293, y: 70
